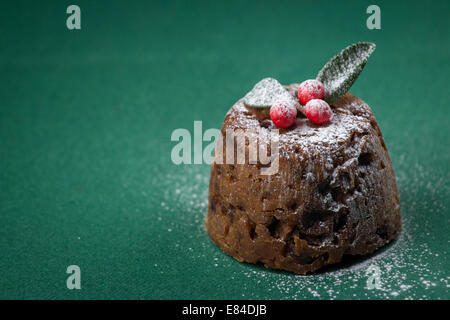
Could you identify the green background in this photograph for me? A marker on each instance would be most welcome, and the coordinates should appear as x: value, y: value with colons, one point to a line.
x: 86, y: 116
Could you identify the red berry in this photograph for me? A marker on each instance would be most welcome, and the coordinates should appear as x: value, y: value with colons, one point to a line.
x: 318, y: 111
x: 310, y: 89
x: 283, y: 114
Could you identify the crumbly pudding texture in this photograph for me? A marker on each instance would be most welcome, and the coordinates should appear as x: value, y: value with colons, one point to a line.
x: 334, y: 194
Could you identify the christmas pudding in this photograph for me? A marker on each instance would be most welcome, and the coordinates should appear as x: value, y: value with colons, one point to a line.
x: 332, y: 191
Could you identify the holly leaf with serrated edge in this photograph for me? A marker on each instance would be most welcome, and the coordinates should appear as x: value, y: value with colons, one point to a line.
x: 267, y: 92
x: 339, y: 74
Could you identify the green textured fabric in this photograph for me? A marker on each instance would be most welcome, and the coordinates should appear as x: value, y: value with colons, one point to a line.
x: 86, y: 118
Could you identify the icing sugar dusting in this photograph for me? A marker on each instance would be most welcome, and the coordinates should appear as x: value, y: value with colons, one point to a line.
x: 303, y: 135
x: 267, y: 92
x: 409, y: 267
x: 310, y: 89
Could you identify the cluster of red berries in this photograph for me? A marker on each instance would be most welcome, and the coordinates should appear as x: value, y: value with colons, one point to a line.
x: 310, y: 94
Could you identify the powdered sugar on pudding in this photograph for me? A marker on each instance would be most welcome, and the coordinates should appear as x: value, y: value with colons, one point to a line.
x: 304, y: 135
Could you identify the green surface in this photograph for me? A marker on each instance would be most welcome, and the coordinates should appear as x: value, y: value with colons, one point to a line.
x: 86, y: 117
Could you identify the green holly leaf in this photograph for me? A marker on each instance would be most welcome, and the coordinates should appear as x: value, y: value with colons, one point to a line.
x: 339, y: 74
x: 267, y: 92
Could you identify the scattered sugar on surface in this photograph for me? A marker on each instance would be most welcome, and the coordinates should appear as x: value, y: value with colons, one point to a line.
x: 342, y: 281
x: 406, y: 268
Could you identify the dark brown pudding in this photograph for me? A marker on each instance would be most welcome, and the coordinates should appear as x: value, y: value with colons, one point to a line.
x: 334, y: 193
